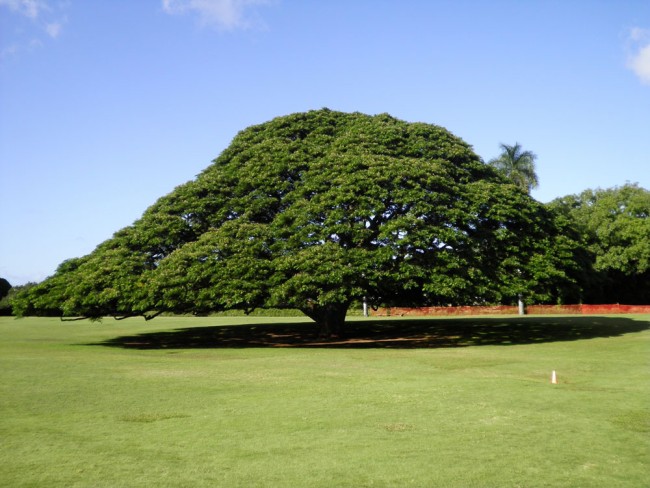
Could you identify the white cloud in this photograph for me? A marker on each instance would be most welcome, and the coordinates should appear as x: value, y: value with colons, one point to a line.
x: 640, y: 64
x: 33, y: 21
x: 53, y: 29
x: 223, y: 14
x: 8, y: 51
x: 639, y: 34
x: 639, y: 58
x: 28, y: 8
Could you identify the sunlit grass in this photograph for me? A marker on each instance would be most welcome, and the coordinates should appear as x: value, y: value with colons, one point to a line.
x: 77, y: 413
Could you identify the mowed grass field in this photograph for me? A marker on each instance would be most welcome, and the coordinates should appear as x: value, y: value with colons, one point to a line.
x: 261, y: 402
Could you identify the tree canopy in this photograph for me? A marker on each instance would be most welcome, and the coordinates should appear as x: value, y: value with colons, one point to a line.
x: 615, y: 226
x: 517, y: 165
x: 314, y: 211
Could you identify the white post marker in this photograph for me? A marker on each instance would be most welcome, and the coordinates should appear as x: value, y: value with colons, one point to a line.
x: 554, y: 378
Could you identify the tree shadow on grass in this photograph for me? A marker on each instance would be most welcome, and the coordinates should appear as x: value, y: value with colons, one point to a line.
x: 389, y: 333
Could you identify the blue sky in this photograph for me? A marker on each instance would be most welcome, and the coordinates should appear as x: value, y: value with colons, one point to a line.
x: 106, y: 105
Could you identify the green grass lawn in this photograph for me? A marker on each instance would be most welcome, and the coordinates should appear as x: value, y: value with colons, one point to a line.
x: 245, y: 402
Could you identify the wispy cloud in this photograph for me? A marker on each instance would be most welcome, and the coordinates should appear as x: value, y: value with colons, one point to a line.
x: 28, y: 8
x: 53, y: 29
x: 222, y: 14
x: 33, y: 20
x: 639, y: 57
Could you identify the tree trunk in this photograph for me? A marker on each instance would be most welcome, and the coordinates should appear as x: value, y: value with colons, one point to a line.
x: 330, y: 318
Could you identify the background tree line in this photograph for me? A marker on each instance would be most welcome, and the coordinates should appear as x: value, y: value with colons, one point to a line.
x: 613, y: 226
x: 8, y: 292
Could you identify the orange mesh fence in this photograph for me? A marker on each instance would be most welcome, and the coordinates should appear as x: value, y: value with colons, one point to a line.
x: 513, y: 310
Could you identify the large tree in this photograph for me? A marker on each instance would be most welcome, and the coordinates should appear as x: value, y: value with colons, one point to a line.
x: 314, y: 211
x: 615, y: 226
x: 517, y: 165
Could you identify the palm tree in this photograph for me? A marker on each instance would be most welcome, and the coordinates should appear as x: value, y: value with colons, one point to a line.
x: 517, y: 165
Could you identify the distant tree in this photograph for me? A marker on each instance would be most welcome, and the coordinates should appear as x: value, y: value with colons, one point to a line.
x: 314, y: 211
x: 5, y: 289
x: 5, y: 286
x: 615, y: 226
x: 6, y: 301
x: 517, y: 165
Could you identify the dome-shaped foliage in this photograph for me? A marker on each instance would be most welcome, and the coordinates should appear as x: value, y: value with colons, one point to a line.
x: 316, y: 210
